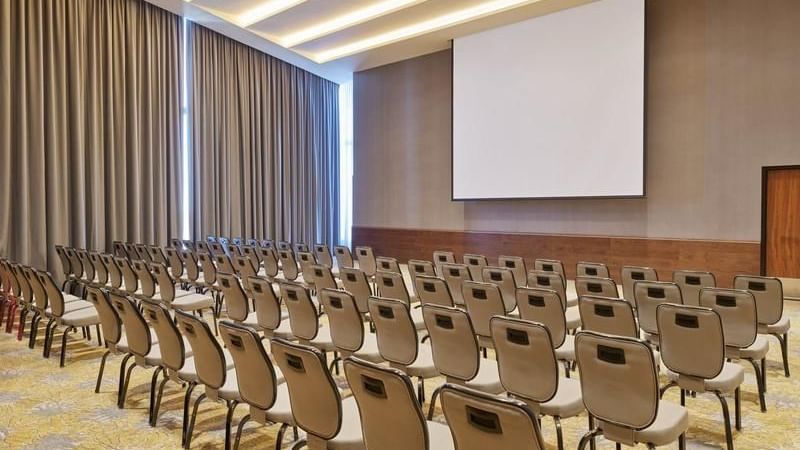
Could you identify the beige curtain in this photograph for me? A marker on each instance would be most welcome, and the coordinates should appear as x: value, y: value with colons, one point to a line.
x: 265, y: 140
x: 89, y: 125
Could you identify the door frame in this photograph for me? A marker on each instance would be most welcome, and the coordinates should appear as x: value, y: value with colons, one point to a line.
x: 765, y: 170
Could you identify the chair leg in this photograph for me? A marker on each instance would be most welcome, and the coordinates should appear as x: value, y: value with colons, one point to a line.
x: 124, y: 393
x: 432, y: 407
x: 228, y: 421
x: 100, y: 373
x: 186, y: 401
x: 216, y: 326
x: 559, y: 434
x: 153, y: 383
x: 682, y: 442
x: 34, y: 330
x: 592, y: 440
x: 190, y: 427
x: 23, y: 315
x: 279, y: 439
x: 240, y: 428
x: 726, y: 417
x: 737, y: 404
x: 99, y: 339
x: 421, y: 391
x: 683, y: 397
x: 64, y: 345
x: 588, y: 437
x: 764, y: 373
x: 12, y: 313
x: 49, y: 332
x: 760, y: 383
x: 784, y: 341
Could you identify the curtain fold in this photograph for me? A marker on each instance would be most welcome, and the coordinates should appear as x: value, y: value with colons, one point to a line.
x: 89, y: 126
x: 265, y: 145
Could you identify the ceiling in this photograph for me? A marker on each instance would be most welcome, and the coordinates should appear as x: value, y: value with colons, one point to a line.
x: 334, y: 38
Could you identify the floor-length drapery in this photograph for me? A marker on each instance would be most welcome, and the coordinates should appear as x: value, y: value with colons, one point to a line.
x: 264, y: 142
x: 89, y: 125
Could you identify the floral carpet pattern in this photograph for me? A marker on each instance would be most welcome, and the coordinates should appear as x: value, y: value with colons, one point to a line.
x: 43, y: 407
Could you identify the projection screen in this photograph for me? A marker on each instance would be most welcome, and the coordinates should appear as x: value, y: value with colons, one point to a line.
x: 552, y: 107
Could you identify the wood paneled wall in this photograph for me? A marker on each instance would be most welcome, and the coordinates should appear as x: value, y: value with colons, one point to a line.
x: 724, y: 258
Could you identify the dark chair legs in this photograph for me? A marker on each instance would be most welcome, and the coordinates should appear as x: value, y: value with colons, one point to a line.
x: 240, y: 428
x: 186, y: 401
x: 784, y: 341
x: 421, y: 391
x: 100, y: 372
x: 559, y: 434
x: 726, y: 417
x: 124, y: 392
x: 432, y: 407
x: 190, y: 428
x: 592, y: 441
x: 588, y: 437
x: 153, y: 382
x: 63, y: 345
x: 228, y: 421
x: 760, y: 383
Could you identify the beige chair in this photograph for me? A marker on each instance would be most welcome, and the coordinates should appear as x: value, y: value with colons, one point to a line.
x: 237, y: 306
x: 344, y: 258
x: 693, y: 350
x: 442, y: 257
x: 649, y: 295
x: 605, y: 315
x: 193, y: 276
x: 603, y: 287
x: 269, y: 260
x: 259, y: 385
x: 355, y: 282
x: 619, y: 382
x: 101, y: 271
x: 130, y: 283
x: 393, y: 285
x: 398, y: 342
x: 386, y: 396
x: 143, y: 251
x: 456, y: 354
x: 366, y: 260
x: 417, y: 267
x: 267, y: 243
x: 300, y: 247
x: 245, y: 269
x: 483, y: 301
x: 433, y: 291
x: 546, y: 307
x: 387, y: 264
x: 455, y: 275
x: 505, y: 280
x: 553, y: 281
x: 691, y: 282
x: 113, y: 333
x: 347, y: 327
x: 517, y: 265
x: 304, y: 320
x: 147, y: 284
x: 737, y: 310
x: 528, y: 370
x: 475, y: 263
x: 481, y: 421
x: 632, y: 274
x: 550, y: 265
x: 179, y: 299
x: 66, y: 265
x: 75, y: 264
x: 323, y: 277
x: 208, y: 280
x: 156, y: 254
x: 306, y: 260
x: 269, y: 314
x: 289, y: 268
x: 223, y: 263
x: 772, y: 320
x: 318, y: 408
x: 323, y: 255
x: 73, y: 315
x: 249, y: 251
x: 592, y: 269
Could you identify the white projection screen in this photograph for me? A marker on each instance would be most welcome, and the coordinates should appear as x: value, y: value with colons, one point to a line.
x: 552, y: 107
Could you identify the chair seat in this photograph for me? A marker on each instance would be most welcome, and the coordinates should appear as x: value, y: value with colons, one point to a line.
x: 731, y: 377
x: 192, y: 302
x: 756, y: 351
x: 323, y: 341
x: 284, y: 331
x: 488, y: 378
x: 251, y: 321
x: 567, y: 402
x: 573, y: 317
x: 567, y: 350
x: 369, y: 349
x: 439, y: 436
x: 779, y: 327
x: 423, y: 366
x: 139, y: 292
x: 71, y: 298
x: 281, y: 411
x: 189, y: 371
x: 349, y: 437
x: 230, y: 390
x: 70, y: 307
x: 81, y: 318
x: 671, y: 421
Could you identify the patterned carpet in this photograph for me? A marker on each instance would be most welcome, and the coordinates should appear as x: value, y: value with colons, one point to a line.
x: 44, y: 407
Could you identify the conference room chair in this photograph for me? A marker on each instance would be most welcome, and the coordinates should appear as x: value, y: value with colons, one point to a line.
x: 455, y: 275
x: 237, y: 305
x: 233, y: 249
x: 175, y: 243
x: 219, y: 382
x: 66, y: 265
x: 270, y: 316
x: 202, y: 246
x: 386, y: 396
x: 211, y: 238
x: 347, y: 327
x: 344, y: 258
x: 475, y: 263
x: 456, y: 354
x: 546, y: 307
x: 542, y: 279
x: 289, y: 268
x: 147, y: 284
x: 418, y: 267
x: 244, y: 269
x: 604, y: 287
x: 259, y: 386
x: 6, y: 296
x: 323, y: 255
x: 432, y: 290
x: 738, y: 312
x: 528, y: 370
x: 387, y: 264
x: 113, y: 334
x: 772, y: 320
x: 550, y: 265
x: 605, y: 315
x: 89, y: 274
x: 443, y: 257
x: 75, y: 264
x: 208, y: 280
x: 223, y: 263
x: 304, y: 318
x: 119, y: 249
x: 176, y: 299
x: 306, y: 261
x: 398, y: 342
x: 323, y: 277
x: 237, y: 241
x: 50, y: 303
x: 156, y: 254
x: 517, y: 265
x: 355, y: 282
x: 693, y: 350
x: 591, y: 269
x: 649, y: 295
x: 114, y: 274
x: 330, y: 421
x: 217, y: 248
x: 691, y: 283
x: 630, y: 275
x: 101, y: 270
x: 269, y: 260
x: 252, y: 256
x: 130, y: 283
x: 37, y: 304
x: 267, y: 243
x: 483, y: 301
x: 300, y: 247
x: 193, y: 275
x: 505, y: 280
x: 189, y: 244
x: 131, y: 253
x: 619, y: 383
x: 481, y: 421
x: 366, y: 260
x: 141, y: 251
x: 393, y: 285
x: 25, y: 301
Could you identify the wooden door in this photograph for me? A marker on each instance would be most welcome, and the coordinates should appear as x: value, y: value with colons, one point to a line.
x: 780, y: 232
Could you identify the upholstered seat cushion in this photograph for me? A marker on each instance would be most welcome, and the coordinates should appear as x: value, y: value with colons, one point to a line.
x: 71, y: 298
x: 731, y: 377
x: 230, y: 390
x: 323, y: 341
x: 757, y: 350
x: 284, y: 331
x: 81, y: 317
x: 192, y: 302
x: 423, y: 366
x: 672, y: 421
x: 71, y: 306
x: 349, y: 437
x: 567, y: 402
x: 779, y: 327
x: 488, y: 378
x: 567, y: 350
x: 439, y: 436
x: 281, y: 411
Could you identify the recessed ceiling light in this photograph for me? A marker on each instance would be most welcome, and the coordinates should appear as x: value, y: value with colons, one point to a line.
x: 419, y: 28
x: 265, y: 10
x: 345, y: 21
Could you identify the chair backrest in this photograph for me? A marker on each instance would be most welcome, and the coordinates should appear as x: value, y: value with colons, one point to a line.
x: 189, y: 244
x: 130, y: 251
x: 605, y: 315
x: 216, y: 248
x: 394, y: 330
x: 480, y: 421
x: 236, y: 304
x: 313, y: 394
x: 288, y: 264
x: 356, y: 283
x: 632, y: 274
x: 592, y: 269
x: 300, y: 247
x: 42, y: 293
x: 170, y: 340
x: 455, y: 275
x: 550, y: 265
x: 344, y: 319
x: 208, y: 267
x: 202, y: 246
x: 146, y: 281
x: 619, y: 381
x: 101, y: 271
x: 255, y: 373
x: 392, y: 285
x: 366, y: 260
x: 517, y: 265
x: 137, y: 333
x: 190, y: 261
x: 25, y: 292
x: 250, y: 252
x: 266, y: 303
x: 691, y: 340
x: 738, y: 312
x: 176, y: 243
x: 306, y: 261
x: 542, y: 279
x: 75, y: 263
x: 453, y: 343
x: 166, y: 285
x: 86, y: 262
x: 648, y: 296
x: 209, y: 360
x: 391, y: 418
x: 604, y: 287
x: 544, y: 306
x: 483, y: 301
x: 433, y: 291
x: 505, y: 280
x: 344, y: 258
x: 223, y: 263
x: 267, y: 243
x: 129, y: 279
x: 475, y: 263
x: 270, y: 260
x: 323, y: 277
x: 691, y: 282
x: 156, y: 254
x: 109, y: 320
x: 244, y: 269
x: 387, y: 264
x: 302, y: 313
x: 526, y: 360
x: 66, y: 269
x: 114, y: 274
x: 768, y: 292
x: 120, y: 249
x: 418, y: 267
x: 141, y: 250
x: 442, y: 257
x: 323, y: 255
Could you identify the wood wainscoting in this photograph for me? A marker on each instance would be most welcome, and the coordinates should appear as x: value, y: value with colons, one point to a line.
x: 724, y: 258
